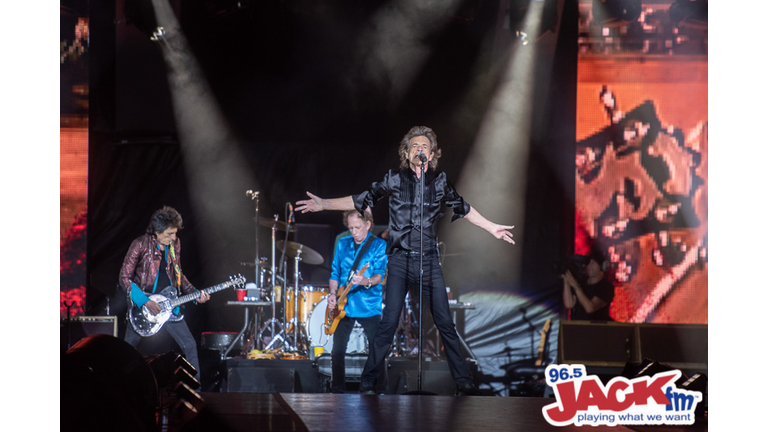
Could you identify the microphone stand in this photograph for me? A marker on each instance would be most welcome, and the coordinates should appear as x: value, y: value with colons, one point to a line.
x: 276, y: 337
x: 254, y: 195
x: 418, y: 390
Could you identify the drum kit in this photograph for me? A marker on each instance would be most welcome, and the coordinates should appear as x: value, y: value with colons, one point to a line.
x: 302, y: 327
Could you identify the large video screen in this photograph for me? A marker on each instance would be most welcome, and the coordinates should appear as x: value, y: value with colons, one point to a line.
x: 641, y: 158
x: 73, y: 157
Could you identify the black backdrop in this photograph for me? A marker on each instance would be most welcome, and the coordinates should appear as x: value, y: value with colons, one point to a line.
x: 288, y: 81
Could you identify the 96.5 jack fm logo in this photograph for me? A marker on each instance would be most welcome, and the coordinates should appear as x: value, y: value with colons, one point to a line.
x: 584, y: 400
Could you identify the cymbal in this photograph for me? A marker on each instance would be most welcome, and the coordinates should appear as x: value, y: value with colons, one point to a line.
x: 306, y: 254
x: 280, y: 226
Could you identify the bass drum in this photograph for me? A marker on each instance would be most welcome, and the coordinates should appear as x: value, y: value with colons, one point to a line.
x: 309, y: 296
x: 358, y: 343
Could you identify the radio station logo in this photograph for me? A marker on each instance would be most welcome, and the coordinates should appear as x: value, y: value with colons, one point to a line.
x: 584, y: 400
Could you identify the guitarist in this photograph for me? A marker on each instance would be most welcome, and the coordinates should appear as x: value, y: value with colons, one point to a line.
x: 364, y: 299
x: 152, y: 263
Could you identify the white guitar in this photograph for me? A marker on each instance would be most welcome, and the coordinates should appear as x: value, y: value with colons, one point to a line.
x: 146, y: 324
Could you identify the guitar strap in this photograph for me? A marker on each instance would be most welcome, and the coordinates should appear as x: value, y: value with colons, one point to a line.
x: 363, y: 250
x: 175, y: 265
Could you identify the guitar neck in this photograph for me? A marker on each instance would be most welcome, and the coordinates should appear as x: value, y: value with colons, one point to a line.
x: 195, y: 295
x: 544, y: 332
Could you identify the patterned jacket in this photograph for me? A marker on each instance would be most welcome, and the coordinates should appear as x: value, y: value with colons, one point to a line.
x: 142, y: 263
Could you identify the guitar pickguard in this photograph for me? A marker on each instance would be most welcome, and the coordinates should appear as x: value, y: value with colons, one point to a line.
x: 145, y: 323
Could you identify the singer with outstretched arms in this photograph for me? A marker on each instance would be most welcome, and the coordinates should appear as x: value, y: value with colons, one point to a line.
x: 408, y: 235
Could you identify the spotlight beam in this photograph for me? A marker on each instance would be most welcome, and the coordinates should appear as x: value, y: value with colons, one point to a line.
x: 395, y: 50
x: 493, y: 178
x: 216, y: 170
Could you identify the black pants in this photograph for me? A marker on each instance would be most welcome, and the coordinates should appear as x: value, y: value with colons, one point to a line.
x: 340, y: 342
x: 180, y: 333
x: 402, y: 272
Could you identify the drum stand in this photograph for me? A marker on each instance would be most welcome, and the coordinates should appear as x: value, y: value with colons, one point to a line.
x: 403, y: 344
x: 295, y: 321
x: 273, y: 321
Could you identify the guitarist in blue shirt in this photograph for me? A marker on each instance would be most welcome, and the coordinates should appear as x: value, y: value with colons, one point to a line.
x: 151, y: 264
x: 363, y: 302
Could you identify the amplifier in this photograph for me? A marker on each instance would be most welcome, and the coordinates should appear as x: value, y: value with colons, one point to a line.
x: 81, y: 326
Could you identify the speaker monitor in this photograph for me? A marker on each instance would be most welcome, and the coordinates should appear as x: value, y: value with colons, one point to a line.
x: 597, y: 344
x: 269, y: 376
x: 682, y: 346
x: 403, y: 376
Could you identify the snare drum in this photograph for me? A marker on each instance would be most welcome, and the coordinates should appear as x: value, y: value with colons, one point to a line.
x: 358, y: 343
x: 309, y: 296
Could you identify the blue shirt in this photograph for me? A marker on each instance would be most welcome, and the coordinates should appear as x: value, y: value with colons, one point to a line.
x: 362, y: 302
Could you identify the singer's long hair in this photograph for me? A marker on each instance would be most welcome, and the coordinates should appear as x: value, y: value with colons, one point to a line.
x: 415, y: 132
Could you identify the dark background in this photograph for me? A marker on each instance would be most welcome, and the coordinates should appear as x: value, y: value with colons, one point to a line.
x: 287, y: 76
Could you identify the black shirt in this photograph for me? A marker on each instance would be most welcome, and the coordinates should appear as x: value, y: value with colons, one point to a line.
x: 403, y: 188
x: 602, y: 289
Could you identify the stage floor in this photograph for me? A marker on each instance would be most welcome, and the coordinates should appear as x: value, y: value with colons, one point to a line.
x: 305, y: 412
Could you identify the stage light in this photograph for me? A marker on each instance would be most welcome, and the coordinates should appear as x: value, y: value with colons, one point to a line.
x: 158, y: 34
x: 698, y: 382
x: 172, y: 367
x: 181, y: 361
x: 187, y: 393
x: 523, y: 37
x: 517, y: 11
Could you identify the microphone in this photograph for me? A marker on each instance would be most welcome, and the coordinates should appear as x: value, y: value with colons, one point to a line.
x: 422, y: 157
x: 291, y: 218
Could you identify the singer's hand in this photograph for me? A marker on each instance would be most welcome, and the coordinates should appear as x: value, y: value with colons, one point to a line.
x: 501, y: 232
x: 311, y: 205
